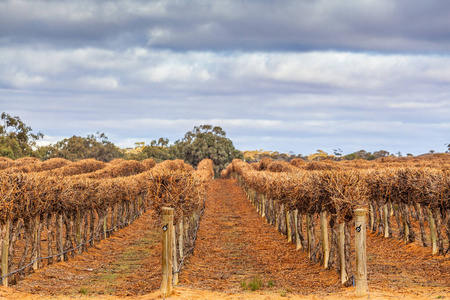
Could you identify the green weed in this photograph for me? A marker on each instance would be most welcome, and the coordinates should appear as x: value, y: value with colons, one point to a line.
x: 243, y: 285
x: 255, y: 284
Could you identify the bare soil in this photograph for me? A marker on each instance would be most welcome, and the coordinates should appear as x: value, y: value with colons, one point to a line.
x: 127, y: 263
x: 235, y: 248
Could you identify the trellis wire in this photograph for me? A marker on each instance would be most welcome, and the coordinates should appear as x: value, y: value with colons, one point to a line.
x: 133, y: 218
x: 190, y: 250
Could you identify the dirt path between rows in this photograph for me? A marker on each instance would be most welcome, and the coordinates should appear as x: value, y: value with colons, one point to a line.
x: 236, y: 247
x: 127, y: 263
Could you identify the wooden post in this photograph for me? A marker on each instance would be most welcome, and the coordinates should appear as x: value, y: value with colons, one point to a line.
x: 36, y: 242
x: 118, y: 216
x: 288, y: 224
x: 5, y: 251
x: 372, y: 216
x: 92, y: 227
x: 260, y: 204
x: 263, y: 205
x: 405, y: 227
x: 39, y: 241
x: 59, y: 238
x: 270, y: 204
x: 385, y: 219
x: 298, y: 244
x: 422, y: 224
x: 181, y: 238
x: 124, y: 213
x: 409, y: 230
x: 280, y: 215
x: 129, y: 213
x: 78, y: 228
x: 186, y: 225
x: 342, y: 252
x: 324, y: 232
x: 105, y: 223
x: 49, y: 221
x: 113, y: 217
x: 85, y: 221
x: 434, y: 248
x: 1, y: 240
x: 167, y: 256
x: 175, y: 261
x: 438, y: 223
x: 308, y: 233
x: 375, y: 220
x: 275, y: 210
x: 360, y: 245
x: 381, y: 221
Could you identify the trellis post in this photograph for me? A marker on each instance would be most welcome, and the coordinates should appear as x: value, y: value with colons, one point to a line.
x: 324, y: 232
x: 5, y: 252
x: 298, y: 244
x: 60, y: 236
x: 167, y: 255
x: 385, y: 220
x: 432, y: 224
x: 288, y: 224
x: 36, y: 242
x: 341, y: 242
x: 360, y: 245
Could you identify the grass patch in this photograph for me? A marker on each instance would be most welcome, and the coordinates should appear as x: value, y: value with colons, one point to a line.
x: 109, y: 277
x: 83, y: 291
x: 243, y: 285
x: 254, y: 284
x: 283, y: 293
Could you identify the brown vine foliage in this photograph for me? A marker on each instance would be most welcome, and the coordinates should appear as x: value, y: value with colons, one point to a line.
x: 340, y: 187
x: 171, y: 183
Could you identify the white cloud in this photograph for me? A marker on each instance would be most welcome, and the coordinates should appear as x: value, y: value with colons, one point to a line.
x: 99, y: 83
x: 244, y: 72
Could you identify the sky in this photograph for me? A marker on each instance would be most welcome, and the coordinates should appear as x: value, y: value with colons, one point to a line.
x: 286, y: 75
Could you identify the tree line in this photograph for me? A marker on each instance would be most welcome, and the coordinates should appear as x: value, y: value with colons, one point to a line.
x: 206, y: 141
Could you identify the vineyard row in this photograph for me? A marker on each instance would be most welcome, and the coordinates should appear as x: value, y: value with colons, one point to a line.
x: 69, y: 213
x: 417, y: 197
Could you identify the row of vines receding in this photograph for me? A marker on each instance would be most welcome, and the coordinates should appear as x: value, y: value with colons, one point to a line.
x: 51, y: 210
x: 408, y: 199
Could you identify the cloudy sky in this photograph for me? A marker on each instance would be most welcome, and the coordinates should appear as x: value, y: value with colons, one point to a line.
x: 283, y: 75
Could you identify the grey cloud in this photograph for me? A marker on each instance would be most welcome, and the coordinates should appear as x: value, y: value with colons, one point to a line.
x: 386, y: 26
x: 137, y: 70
